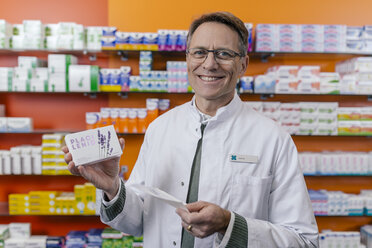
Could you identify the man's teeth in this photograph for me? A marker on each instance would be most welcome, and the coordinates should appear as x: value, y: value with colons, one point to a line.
x: 209, y: 78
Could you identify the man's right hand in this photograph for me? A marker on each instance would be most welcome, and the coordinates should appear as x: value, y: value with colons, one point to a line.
x: 103, y: 175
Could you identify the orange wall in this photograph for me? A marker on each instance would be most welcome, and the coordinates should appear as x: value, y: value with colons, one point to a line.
x: 90, y: 13
x: 150, y: 15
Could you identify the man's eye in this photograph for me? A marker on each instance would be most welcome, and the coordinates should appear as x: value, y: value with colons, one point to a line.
x: 199, y: 52
x: 224, y: 54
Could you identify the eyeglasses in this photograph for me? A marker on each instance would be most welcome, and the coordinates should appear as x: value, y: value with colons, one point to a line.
x: 222, y: 56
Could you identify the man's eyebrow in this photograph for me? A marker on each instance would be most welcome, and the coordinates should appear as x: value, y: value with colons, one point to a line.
x: 218, y: 48
x: 199, y: 47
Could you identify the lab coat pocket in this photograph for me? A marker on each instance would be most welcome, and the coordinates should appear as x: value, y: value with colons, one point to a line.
x: 250, y: 196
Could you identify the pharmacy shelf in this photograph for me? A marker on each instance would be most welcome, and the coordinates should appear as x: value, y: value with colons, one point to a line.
x: 342, y: 223
x: 55, y: 225
x: 176, y: 52
x: 347, y: 184
x: 265, y: 56
x: 93, y: 54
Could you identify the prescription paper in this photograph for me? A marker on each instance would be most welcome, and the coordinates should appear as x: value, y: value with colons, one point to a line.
x: 161, y: 195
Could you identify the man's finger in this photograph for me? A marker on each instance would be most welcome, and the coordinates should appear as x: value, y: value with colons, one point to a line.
x: 122, y: 143
x: 182, y: 213
x: 64, y: 149
x: 196, y: 206
x: 72, y: 168
x: 68, y: 157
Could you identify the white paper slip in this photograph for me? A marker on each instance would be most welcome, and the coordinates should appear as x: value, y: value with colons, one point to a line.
x: 161, y: 195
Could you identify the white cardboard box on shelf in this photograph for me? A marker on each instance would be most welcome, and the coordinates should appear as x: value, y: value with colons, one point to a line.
x: 83, y: 78
x: 57, y: 82
x: 20, y: 230
x: 59, y: 63
x: 19, y: 124
x: 3, y: 125
x: 93, y: 145
x: 38, y: 85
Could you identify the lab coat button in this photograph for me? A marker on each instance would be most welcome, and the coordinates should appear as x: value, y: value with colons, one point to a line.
x: 174, y: 243
x: 182, y: 183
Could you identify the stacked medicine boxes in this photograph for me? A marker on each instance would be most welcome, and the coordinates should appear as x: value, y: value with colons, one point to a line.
x: 300, y: 38
x: 19, y: 204
x: 150, y: 80
x: 108, y: 39
x: 80, y: 202
x: 355, y: 120
x: 177, y: 77
x: 30, y: 75
x: 42, y: 202
x: 94, y: 35
x: 6, y: 78
x: 5, y: 34
x: 58, y: 69
x: 83, y: 78
x: 115, y: 79
x: 65, y: 35
x: 28, y: 35
x: 33, y: 203
x: 356, y: 75
x: 85, y: 197
x: 4, y: 234
x: 53, y: 162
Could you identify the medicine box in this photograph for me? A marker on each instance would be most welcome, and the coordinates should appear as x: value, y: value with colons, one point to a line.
x: 83, y: 78
x: 19, y: 124
x: 93, y: 145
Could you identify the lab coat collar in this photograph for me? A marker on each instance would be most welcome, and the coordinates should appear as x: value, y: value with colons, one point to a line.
x: 222, y: 114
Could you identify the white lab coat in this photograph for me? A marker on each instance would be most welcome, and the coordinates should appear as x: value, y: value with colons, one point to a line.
x: 270, y: 194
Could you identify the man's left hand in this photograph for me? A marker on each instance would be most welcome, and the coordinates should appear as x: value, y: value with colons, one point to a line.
x: 204, y: 219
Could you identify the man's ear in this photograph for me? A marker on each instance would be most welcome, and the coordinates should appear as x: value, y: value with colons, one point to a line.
x: 244, y: 65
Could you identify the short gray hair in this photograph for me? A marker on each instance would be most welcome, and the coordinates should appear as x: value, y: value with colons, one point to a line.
x: 229, y: 20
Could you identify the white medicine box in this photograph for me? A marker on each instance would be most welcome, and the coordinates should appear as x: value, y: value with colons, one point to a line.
x: 93, y: 145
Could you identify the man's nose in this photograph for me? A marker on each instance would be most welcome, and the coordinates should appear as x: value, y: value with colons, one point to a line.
x: 210, y: 61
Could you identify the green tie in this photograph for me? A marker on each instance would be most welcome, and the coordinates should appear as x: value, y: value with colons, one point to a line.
x: 192, y: 196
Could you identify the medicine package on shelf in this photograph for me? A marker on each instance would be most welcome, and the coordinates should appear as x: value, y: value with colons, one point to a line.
x: 93, y: 145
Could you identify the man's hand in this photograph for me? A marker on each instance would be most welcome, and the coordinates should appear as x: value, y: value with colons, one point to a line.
x: 204, y: 219
x: 103, y: 175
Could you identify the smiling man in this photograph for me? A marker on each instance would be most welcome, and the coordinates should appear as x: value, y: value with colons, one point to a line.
x: 237, y: 170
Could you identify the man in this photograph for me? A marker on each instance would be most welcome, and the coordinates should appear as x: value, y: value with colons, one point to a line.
x: 238, y: 170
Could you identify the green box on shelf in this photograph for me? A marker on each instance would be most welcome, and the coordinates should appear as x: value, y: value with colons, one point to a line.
x: 58, y: 68
x: 83, y: 78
